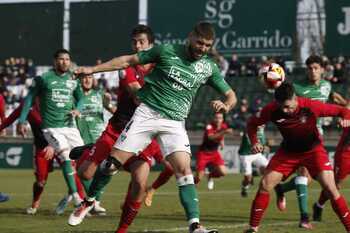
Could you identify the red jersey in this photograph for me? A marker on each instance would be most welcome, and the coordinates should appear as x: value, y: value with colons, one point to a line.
x: 34, y: 120
x: 299, y: 130
x: 126, y: 104
x: 212, y: 145
x: 2, y: 107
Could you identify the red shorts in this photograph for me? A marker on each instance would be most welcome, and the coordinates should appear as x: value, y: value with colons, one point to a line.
x: 204, y: 158
x: 103, y: 146
x: 152, y: 150
x: 315, y: 160
x: 342, y: 162
x: 42, y: 167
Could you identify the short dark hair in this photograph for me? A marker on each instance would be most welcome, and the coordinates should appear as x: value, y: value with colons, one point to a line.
x: 314, y: 59
x: 284, y: 92
x: 204, y: 29
x: 59, y: 52
x: 141, y: 28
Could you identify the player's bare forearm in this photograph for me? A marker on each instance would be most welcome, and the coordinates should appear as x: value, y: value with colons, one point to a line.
x: 117, y: 63
x: 231, y: 99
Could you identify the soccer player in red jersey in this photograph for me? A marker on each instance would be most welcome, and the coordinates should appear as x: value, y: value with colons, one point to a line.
x: 208, y: 153
x: 341, y: 162
x: 3, y: 197
x: 296, y: 117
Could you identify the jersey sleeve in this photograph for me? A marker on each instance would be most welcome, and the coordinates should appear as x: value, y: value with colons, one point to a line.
x: 217, y: 81
x: 151, y: 55
x: 323, y: 110
x: 129, y: 76
x: 260, y: 119
x: 2, y: 107
x: 29, y: 99
x: 11, y: 118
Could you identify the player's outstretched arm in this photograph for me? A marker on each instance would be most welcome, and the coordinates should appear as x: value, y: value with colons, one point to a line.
x: 117, y: 63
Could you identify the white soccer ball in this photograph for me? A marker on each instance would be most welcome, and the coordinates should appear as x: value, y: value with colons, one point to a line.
x: 272, y: 75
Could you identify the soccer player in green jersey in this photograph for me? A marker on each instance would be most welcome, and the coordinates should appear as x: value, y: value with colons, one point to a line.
x: 58, y: 93
x: 166, y: 99
x: 316, y: 88
x: 90, y: 121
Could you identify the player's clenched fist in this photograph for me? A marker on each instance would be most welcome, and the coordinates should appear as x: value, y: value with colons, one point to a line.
x: 257, y: 148
x: 84, y: 70
x: 219, y: 106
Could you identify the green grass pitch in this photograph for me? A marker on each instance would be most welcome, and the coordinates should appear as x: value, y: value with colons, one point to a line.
x: 222, y: 208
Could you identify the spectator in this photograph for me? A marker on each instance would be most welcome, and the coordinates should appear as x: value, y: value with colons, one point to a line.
x: 252, y: 67
x: 339, y: 73
x: 234, y: 68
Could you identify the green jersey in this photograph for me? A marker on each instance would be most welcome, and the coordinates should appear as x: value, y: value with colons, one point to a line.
x: 246, y: 147
x: 91, y: 123
x: 57, y: 94
x: 172, y: 85
x: 319, y: 92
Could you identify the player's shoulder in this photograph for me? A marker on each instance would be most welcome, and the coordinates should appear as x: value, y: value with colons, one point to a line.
x: 47, y: 74
x: 325, y: 83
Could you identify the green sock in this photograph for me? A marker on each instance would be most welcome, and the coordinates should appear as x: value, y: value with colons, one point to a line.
x: 98, y: 183
x: 86, y: 184
x: 68, y: 174
x: 189, y: 200
x: 302, y: 195
x: 288, y: 186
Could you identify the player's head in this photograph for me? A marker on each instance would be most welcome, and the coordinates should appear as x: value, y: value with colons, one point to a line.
x: 142, y: 38
x: 315, y: 69
x: 87, y: 82
x: 218, y: 118
x: 201, y: 39
x: 62, y: 60
x: 286, y: 98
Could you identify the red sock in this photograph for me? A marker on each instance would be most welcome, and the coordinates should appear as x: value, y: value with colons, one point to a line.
x: 323, y: 198
x: 37, y: 191
x: 340, y: 207
x: 163, y: 177
x: 215, y: 174
x: 258, y: 208
x: 130, y: 210
x: 80, y: 187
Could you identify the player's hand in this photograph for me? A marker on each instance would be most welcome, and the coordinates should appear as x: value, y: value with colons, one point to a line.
x: 257, y: 148
x: 229, y: 131
x: 344, y: 123
x: 83, y: 70
x: 219, y: 106
x: 22, y: 129
x: 266, y: 150
x: 75, y: 113
x: 49, y: 152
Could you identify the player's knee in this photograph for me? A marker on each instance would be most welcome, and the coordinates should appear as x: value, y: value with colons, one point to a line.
x: 266, y: 186
x: 301, y: 180
x: 41, y: 183
x: 185, y: 180
x: 87, y: 170
x: 223, y: 171
x: 110, y: 166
